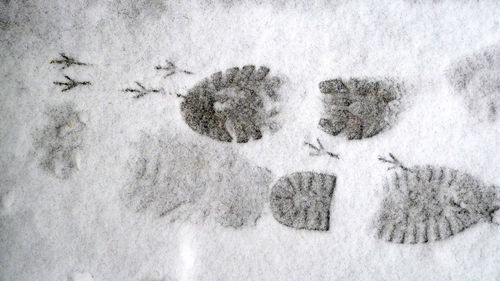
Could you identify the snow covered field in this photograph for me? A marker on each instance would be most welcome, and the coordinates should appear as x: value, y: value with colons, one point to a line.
x: 73, y: 163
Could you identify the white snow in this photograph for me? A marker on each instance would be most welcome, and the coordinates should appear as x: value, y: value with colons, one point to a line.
x: 58, y: 229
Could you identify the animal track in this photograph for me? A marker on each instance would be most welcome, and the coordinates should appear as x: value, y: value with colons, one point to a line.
x: 171, y: 69
x: 67, y: 61
x: 60, y: 140
x: 72, y: 83
x: 237, y: 103
x: 141, y: 91
x: 320, y: 150
x: 184, y: 180
x: 302, y: 200
x: 428, y: 203
x: 358, y: 108
x: 477, y: 78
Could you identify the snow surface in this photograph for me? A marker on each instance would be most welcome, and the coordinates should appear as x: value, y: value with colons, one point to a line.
x: 78, y: 228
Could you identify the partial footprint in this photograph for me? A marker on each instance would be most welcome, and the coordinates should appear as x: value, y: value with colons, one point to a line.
x: 427, y: 203
x: 183, y: 180
x: 302, y: 200
x: 477, y: 78
x: 239, y: 103
x: 59, y: 142
x: 359, y: 108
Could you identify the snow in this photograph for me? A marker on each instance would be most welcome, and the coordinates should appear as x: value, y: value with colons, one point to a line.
x: 77, y: 228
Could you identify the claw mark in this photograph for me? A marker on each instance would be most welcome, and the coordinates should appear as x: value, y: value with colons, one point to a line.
x: 171, y: 69
x: 142, y: 91
x: 395, y: 162
x: 71, y: 84
x: 66, y: 61
x: 320, y: 150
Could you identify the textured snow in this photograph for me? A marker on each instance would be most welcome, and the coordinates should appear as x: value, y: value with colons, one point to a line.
x: 53, y: 228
